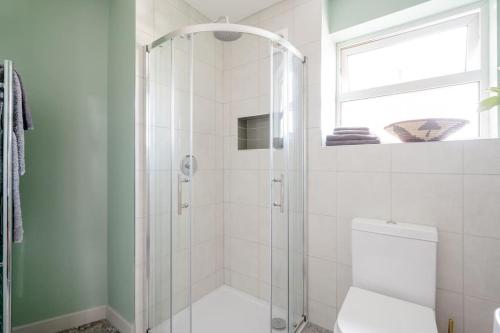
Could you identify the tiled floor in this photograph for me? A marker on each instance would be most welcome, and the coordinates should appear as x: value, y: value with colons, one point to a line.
x: 101, y: 326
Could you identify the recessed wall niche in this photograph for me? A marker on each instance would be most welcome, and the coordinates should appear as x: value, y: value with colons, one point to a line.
x: 253, y: 132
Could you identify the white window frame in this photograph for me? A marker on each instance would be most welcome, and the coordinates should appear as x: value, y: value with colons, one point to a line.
x: 475, y: 17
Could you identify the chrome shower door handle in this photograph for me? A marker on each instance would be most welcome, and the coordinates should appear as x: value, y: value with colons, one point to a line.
x: 180, y: 204
x: 280, y: 204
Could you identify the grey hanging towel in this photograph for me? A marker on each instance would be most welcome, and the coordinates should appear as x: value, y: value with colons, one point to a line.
x: 21, y: 121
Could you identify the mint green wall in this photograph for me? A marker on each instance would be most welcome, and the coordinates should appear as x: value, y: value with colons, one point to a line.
x: 346, y: 13
x: 121, y: 158
x: 60, y: 49
x: 77, y: 61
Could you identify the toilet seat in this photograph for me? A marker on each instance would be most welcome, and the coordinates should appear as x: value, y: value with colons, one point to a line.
x: 364, y: 311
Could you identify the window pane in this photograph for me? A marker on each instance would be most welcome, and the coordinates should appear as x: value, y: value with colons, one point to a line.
x: 432, y: 55
x: 450, y: 102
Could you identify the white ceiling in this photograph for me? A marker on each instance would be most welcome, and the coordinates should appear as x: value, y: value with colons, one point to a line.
x: 235, y: 9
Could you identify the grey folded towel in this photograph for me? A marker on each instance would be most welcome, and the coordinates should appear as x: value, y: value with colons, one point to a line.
x: 361, y: 132
x: 27, y: 118
x: 351, y: 129
x: 351, y: 137
x: 26, y: 112
x: 351, y: 142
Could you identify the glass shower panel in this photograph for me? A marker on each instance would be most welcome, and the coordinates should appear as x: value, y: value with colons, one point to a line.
x: 169, y: 144
x: 206, y: 204
x: 279, y: 196
x: 296, y: 188
x: 287, y: 179
x: 181, y: 214
x: 159, y: 187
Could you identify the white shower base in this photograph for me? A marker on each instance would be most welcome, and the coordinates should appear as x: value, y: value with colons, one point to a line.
x: 224, y: 310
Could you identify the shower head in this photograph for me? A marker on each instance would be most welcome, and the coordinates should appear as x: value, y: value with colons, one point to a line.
x: 226, y: 36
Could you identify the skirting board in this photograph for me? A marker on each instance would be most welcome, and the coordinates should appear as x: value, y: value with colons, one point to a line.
x: 76, y: 319
x: 118, y: 321
x: 63, y: 322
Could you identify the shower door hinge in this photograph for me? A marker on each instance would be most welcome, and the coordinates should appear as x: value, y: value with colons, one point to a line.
x: 149, y: 330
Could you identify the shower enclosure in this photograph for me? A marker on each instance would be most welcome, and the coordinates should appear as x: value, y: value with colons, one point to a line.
x: 226, y: 182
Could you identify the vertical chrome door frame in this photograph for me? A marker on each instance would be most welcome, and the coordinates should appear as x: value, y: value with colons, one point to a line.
x: 147, y: 188
x: 7, y: 197
x: 271, y: 176
x: 305, y: 225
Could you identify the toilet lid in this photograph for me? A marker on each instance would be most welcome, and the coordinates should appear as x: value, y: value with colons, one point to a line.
x: 364, y: 311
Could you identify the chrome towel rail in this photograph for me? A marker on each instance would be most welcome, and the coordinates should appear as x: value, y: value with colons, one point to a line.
x: 7, y: 196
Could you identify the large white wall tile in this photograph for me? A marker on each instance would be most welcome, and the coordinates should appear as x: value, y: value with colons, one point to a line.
x: 322, y: 192
x: 314, y: 106
x: 145, y: 16
x: 244, y: 81
x: 479, y: 315
x: 245, y: 258
x: 429, y: 157
x: 344, y: 282
x: 482, y: 156
x: 203, y: 224
x: 368, y: 158
x: 429, y: 199
x: 344, y: 238
x: 482, y: 205
x: 245, y: 283
x: 320, y: 157
x: 322, y: 314
x: 282, y: 23
x: 169, y: 18
x: 244, y: 186
x: 242, y: 51
x: 322, y: 281
x: 203, y: 260
x: 482, y: 268
x: 307, y: 22
x: 275, y: 10
x: 449, y: 306
x: 245, y: 221
x: 204, y: 80
x: 205, y: 185
x: 363, y: 194
x: 450, y: 262
x: 322, y: 236
x: 312, y: 51
x: 204, y: 115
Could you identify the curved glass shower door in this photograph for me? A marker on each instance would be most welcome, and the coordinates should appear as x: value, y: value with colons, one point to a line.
x: 287, y: 170
x: 170, y: 179
x: 225, y: 183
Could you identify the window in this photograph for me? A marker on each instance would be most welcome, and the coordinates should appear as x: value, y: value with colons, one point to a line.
x: 436, y: 70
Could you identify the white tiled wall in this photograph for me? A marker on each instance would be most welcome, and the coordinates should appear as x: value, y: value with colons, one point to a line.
x: 454, y: 186
x: 450, y: 185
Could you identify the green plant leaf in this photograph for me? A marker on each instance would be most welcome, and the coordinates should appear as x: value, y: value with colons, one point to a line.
x: 488, y: 103
x: 495, y: 89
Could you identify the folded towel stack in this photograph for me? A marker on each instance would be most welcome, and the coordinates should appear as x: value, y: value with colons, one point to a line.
x: 351, y: 136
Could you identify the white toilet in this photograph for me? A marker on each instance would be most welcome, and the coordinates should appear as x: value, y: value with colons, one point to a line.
x: 394, y: 279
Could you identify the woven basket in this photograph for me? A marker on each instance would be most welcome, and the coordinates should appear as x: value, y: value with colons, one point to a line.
x: 422, y: 130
